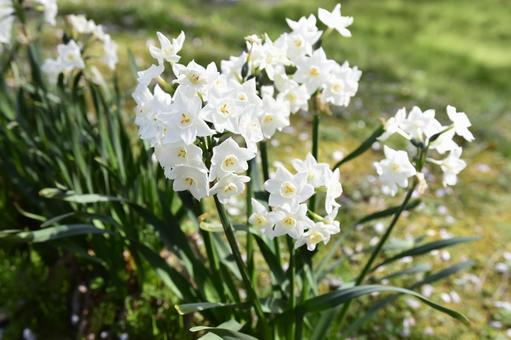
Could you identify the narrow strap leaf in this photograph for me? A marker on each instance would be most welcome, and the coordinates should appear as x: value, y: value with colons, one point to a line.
x: 426, y: 248
x: 341, y: 296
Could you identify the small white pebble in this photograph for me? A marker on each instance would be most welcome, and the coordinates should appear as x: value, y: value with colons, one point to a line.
x: 427, y: 290
x: 379, y: 227
x: 74, y: 319
x: 495, y: 324
x: 445, y: 297
x: 501, y: 267
x: 482, y: 167
x: 337, y: 155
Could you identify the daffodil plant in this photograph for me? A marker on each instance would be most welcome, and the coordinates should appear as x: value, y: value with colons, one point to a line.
x: 208, y: 127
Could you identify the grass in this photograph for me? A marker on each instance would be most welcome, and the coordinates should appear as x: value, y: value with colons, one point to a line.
x: 428, y: 53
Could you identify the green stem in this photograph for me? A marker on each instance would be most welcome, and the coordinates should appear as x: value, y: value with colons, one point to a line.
x: 377, y: 249
x: 250, y: 246
x: 315, y: 135
x: 291, y: 275
x: 266, y: 175
x: 229, y: 233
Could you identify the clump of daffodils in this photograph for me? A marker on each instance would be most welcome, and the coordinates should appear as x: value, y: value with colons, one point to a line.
x: 88, y: 41
x: 430, y: 138
x: 8, y: 15
x: 205, y: 122
x: 288, y: 196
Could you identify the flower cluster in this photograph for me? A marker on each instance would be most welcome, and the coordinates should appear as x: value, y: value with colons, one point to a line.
x: 197, y: 121
x: 7, y: 15
x: 71, y: 55
x: 288, y: 194
x: 425, y: 132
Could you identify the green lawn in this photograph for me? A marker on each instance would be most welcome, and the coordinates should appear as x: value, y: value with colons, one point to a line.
x: 429, y: 53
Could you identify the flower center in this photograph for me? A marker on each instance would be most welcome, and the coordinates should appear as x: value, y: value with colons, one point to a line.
x: 189, y: 181
x: 185, y: 120
x: 298, y: 43
x: 287, y: 189
x: 289, y: 222
x: 291, y: 97
x: 230, y: 188
x: 242, y: 97
x: 224, y: 110
x: 314, y: 71
x: 259, y: 220
x: 229, y: 163
x: 395, y: 166
x: 315, y: 237
x: 194, y: 78
x: 267, y: 118
x: 337, y: 87
x: 181, y: 153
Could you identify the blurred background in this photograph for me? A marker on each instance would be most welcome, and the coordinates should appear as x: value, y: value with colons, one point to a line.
x: 425, y: 53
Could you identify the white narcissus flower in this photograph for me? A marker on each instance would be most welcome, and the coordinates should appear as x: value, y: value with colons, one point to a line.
x: 52, y: 68
x: 170, y: 155
x: 313, y: 71
x: 270, y: 56
x: 110, y: 52
x: 232, y: 67
x: 420, y: 124
x: 316, y: 172
x: 292, y: 92
x: 189, y: 178
x: 333, y: 190
x: 320, y: 231
x: 261, y: 218
x: 168, y: 50
x: 70, y: 56
x: 335, y: 20
x: 222, y: 110
x: 291, y: 220
x: 50, y: 10
x: 444, y: 142
x: 81, y: 24
x: 195, y: 76
x: 6, y: 21
x: 145, y: 77
x: 297, y: 46
x: 341, y: 84
x: 228, y: 158
x: 393, y: 125
x: 149, y: 109
x: 183, y: 121
x: 394, y: 170
x: 288, y: 190
x: 461, y: 123
x: 250, y: 128
x: 306, y: 27
x: 228, y: 186
x: 452, y: 165
x: 274, y: 115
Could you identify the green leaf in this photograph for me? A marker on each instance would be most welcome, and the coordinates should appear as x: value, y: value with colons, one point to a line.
x: 211, y: 227
x: 444, y: 273
x: 188, y: 308
x: 271, y: 260
x: 363, y: 147
x: 224, y: 333
x: 420, y: 268
x: 51, y: 233
x: 387, y: 212
x: 338, y: 297
x: 173, y: 279
x: 77, y: 198
x: 426, y: 248
x: 389, y: 299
